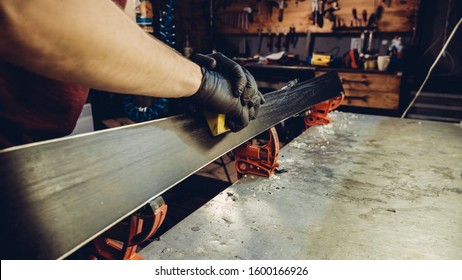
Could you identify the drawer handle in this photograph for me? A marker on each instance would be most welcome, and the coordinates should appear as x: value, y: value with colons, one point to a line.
x: 363, y: 81
x: 362, y: 98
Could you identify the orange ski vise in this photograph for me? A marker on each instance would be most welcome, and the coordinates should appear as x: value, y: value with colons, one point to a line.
x: 318, y: 113
x: 258, y: 160
x: 121, y: 241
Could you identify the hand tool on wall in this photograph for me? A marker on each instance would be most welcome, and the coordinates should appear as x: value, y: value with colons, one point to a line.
x: 279, y: 41
x: 249, y: 12
x: 379, y: 13
x: 308, y: 42
x: 374, y: 18
x: 364, y: 14
x: 286, y: 33
x: 272, y: 4
x: 387, y: 3
x: 371, y: 22
x: 243, y: 19
x: 270, y: 40
x: 334, y: 4
x: 281, y: 5
x: 338, y: 21
x: 320, y: 16
x: 363, y: 41
x: 260, y: 39
x: 329, y: 13
x: 355, y: 17
x: 293, y: 36
x: 258, y: 8
x: 269, y: 12
x: 369, y: 46
x: 314, y: 11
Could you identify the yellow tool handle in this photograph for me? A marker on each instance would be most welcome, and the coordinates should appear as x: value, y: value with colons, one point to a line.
x: 216, y: 123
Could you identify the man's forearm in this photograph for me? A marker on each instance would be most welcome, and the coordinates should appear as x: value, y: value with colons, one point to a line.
x: 92, y: 43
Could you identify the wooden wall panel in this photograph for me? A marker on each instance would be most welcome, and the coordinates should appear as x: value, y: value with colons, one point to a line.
x: 192, y: 18
x: 399, y: 17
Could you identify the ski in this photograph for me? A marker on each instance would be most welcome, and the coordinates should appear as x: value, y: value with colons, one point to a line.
x: 58, y: 195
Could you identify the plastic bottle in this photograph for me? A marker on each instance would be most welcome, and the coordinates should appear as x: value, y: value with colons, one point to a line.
x: 187, y: 48
x: 143, y: 11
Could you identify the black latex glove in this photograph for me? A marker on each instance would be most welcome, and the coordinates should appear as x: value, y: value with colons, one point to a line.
x: 243, y: 83
x: 216, y: 95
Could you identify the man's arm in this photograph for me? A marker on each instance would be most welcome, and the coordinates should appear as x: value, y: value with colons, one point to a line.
x: 92, y: 43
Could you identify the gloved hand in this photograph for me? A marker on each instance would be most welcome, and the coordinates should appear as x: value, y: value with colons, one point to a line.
x: 244, y: 84
x: 216, y: 95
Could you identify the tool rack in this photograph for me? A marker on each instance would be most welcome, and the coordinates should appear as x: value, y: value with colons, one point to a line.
x: 252, y: 17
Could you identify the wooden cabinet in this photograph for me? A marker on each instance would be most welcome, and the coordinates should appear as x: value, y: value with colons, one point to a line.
x: 371, y: 90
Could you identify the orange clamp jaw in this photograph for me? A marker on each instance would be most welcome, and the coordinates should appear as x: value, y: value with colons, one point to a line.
x: 319, y: 112
x: 258, y: 160
x: 121, y: 241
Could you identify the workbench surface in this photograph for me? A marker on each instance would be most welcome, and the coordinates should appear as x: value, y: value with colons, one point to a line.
x: 364, y: 187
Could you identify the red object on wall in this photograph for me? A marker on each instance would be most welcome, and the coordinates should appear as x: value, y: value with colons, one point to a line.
x: 121, y: 3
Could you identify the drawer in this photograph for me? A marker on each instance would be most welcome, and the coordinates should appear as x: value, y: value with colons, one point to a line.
x: 370, y: 90
x: 370, y: 99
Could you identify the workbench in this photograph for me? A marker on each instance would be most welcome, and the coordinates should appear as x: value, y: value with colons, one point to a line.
x: 363, y: 187
x: 379, y: 92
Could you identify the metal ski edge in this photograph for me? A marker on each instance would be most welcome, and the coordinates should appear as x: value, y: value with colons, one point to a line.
x: 305, y: 94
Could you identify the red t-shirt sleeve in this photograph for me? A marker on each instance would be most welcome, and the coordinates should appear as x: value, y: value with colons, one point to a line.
x: 121, y: 3
x: 35, y: 108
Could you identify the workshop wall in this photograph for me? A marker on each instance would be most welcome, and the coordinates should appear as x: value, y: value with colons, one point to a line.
x: 235, y: 31
x: 236, y: 17
x: 192, y: 21
x: 435, y: 19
